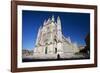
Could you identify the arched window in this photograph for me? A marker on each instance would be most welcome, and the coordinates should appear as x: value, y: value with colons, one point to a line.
x: 55, y: 50
x: 46, y: 50
x: 55, y: 41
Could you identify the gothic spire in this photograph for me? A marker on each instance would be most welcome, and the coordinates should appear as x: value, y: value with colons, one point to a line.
x: 48, y: 20
x: 53, y: 19
x: 58, y: 20
x: 44, y: 22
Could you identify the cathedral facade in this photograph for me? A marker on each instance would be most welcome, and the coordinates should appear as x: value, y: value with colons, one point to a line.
x: 51, y: 43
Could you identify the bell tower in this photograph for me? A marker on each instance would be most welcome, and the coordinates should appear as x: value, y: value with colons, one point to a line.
x: 59, y: 37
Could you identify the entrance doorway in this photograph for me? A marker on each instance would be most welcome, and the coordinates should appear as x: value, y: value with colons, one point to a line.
x: 58, y: 56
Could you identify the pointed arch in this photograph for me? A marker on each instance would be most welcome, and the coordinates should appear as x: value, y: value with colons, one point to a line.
x: 55, y: 50
x: 46, y: 50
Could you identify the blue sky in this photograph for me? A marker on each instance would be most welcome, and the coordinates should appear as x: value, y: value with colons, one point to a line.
x: 74, y: 25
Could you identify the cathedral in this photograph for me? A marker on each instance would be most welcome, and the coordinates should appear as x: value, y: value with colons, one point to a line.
x: 51, y: 43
